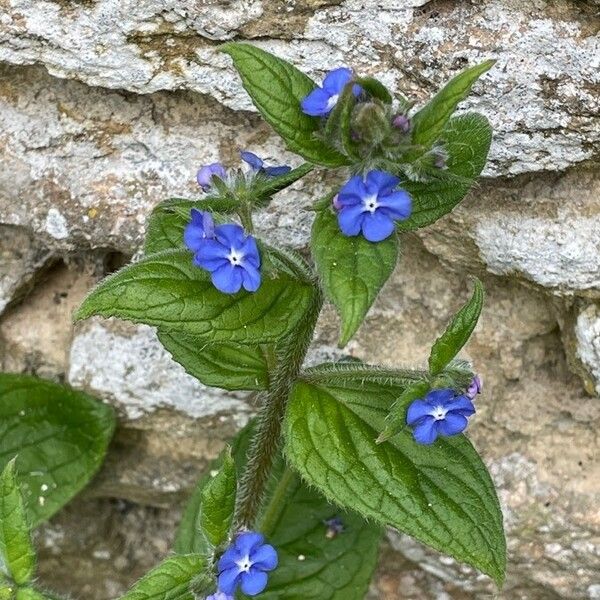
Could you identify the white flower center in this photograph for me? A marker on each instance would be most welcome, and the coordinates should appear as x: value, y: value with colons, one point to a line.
x: 235, y: 257
x: 244, y: 564
x: 438, y: 413
x: 370, y: 203
x: 332, y: 101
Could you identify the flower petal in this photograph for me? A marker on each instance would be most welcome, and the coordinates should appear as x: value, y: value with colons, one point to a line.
x: 352, y: 192
x: 398, y: 204
x: 377, y: 226
x: 193, y: 237
x: 426, y: 431
x: 229, y: 559
x: 250, y: 251
x: 228, y: 278
x: 461, y: 405
x: 383, y: 181
x: 205, y: 174
x: 335, y: 80
x: 316, y: 104
x: 248, y: 541
x: 252, y: 159
x: 228, y: 580
x: 230, y: 235
x: 276, y: 171
x: 417, y: 410
x: 254, y: 582
x: 440, y: 397
x: 264, y: 558
x: 250, y: 278
x: 452, y: 424
x: 350, y: 219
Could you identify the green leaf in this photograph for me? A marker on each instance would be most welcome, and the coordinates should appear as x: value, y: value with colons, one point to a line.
x: 312, y: 565
x: 171, y: 580
x: 189, y: 538
x: 33, y: 594
x: 276, y: 89
x: 458, y: 332
x: 428, y: 123
x: 17, y: 556
x: 375, y: 88
x: 352, y: 269
x: 228, y: 366
x: 467, y: 141
x: 60, y: 436
x: 396, y: 419
x: 292, y: 519
x: 218, y: 502
x: 441, y: 495
x: 166, y: 290
x: 7, y: 589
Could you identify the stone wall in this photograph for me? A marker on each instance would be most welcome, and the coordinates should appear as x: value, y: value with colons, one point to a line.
x: 109, y: 106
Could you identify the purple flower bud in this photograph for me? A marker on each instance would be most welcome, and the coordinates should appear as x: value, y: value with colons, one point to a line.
x: 336, y: 202
x: 402, y: 122
x: 206, y: 173
x: 474, y: 388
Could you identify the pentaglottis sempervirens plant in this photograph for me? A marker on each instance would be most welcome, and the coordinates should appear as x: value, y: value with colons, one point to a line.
x: 295, y: 508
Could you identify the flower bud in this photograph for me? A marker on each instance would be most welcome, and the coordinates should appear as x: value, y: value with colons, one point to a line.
x: 402, y: 122
x: 370, y: 121
x: 206, y: 173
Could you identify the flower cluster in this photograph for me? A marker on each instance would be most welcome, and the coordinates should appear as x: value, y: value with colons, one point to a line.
x: 231, y: 256
x: 367, y: 205
x: 441, y: 412
x: 245, y: 564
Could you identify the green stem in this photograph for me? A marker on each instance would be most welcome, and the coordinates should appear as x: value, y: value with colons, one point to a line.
x: 266, y: 440
x: 245, y: 215
x: 277, y: 502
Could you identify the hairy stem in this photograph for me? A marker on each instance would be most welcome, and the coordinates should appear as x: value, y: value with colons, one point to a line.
x: 266, y: 440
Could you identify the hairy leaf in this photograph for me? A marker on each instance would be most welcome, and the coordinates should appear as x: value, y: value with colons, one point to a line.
x: 441, y: 495
x: 218, y: 502
x: 467, y: 142
x: 276, y: 88
x: 227, y: 365
x: 17, y: 556
x: 458, y: 332
x: 171, y: 580
x: 166, y: 290
x: 59, y: 436
x: 352, y: 269
x: 428, y: 123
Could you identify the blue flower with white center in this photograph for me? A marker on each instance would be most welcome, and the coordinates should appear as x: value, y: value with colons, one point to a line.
x: 321, y: 101
x: 231, y: 256
x: 207, y: 172
x: 246, y: 563
x: 441, y: 412
x: 257, y: 164
x: 371, y: 205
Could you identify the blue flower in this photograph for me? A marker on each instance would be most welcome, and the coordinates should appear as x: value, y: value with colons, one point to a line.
x: 245, y: 563
x: 206, y: 173
x: 320, y: 102
x: 225, y: 251
x: 257, y: 164
x: 371, y: 205
x: 441, y: 412
x: 219, y: 596
x: 474, y: 388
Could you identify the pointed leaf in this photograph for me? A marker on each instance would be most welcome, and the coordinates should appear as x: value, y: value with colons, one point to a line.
x: 228, y: 366
x: 441, y: 495
x: 467, y: 141
x: 17, y: 556
x: 276, y: 88
x: 166, y: 290
x: 458, y: 332
x: 218, y: 502
x: 428, y: 123
x: 171, y: 580
x: 352, y: 269
x: 375, y: 88
x: 60, y: 436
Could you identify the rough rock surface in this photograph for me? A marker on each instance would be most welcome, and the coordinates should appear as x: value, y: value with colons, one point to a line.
x: 108, y: 107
